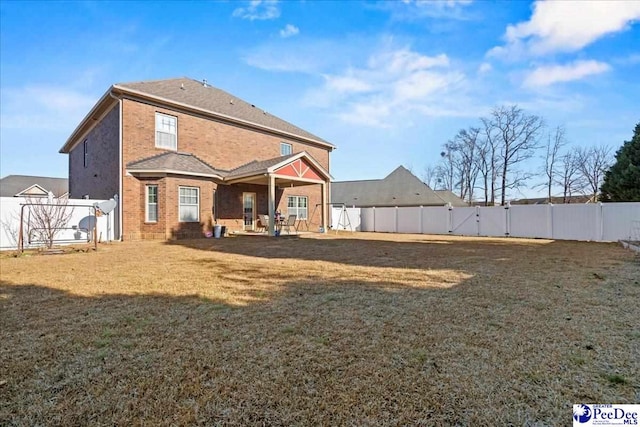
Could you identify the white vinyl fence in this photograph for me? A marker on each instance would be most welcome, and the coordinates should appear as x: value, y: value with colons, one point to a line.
x: 345, y: 218
x: 76, y: 231
x: 605, y: 222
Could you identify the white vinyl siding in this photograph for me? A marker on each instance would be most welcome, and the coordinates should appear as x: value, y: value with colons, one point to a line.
x: 151, y: 203
x: 166, y: 132
x: 189, y: 204
x: 285, y: 149
x: 297, y: 205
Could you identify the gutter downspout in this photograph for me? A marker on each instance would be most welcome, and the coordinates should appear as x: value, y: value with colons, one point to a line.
x: 120, y: 219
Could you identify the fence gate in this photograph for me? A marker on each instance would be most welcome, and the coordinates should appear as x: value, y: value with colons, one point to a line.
x: 465, y: 221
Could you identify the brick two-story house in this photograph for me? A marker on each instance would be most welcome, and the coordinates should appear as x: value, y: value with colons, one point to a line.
x: 182, y: 155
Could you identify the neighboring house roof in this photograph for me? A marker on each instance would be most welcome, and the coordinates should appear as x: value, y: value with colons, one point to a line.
x: 399, y: 188
x: 174, y: 163
x: 555, y: 200
x: 450, y: 197
x: 27, y: 185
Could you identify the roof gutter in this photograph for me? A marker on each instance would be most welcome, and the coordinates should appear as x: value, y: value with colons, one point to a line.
x: 160, y: 172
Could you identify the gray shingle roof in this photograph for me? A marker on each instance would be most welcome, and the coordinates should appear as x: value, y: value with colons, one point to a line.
x: 183, y: 163
x: 399, y: 188
x: 195, y: 94
x: 11, y: 185
x: 257, y: 166
x: 449, y: 197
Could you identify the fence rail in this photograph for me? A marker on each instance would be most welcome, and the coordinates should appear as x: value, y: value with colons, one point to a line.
x: 80, y: 227
x: 602, y: 222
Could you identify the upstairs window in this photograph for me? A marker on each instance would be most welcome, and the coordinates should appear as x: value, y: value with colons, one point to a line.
x: 285, y: 149
x: 166, y: 132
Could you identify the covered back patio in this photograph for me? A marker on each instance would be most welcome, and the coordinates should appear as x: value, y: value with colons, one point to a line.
x: 282, y: 173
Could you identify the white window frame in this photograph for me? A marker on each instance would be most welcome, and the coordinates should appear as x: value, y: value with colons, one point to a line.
x: 148, y: 203
x: 295, y: 210
x: 181, y: 204
x: 164, y: 127
x: 284, y: 147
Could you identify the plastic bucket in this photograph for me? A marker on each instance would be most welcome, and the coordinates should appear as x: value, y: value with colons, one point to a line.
x: 217, y: 231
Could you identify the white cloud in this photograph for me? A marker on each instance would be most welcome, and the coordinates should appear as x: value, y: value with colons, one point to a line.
x: 484, y: 68
x: 436, y: 9
x: 393, y: 82
x: 404, y: 60
x: 386, y: 85
x: 422, y: 84
x: 301, y: 55
x: 44, y: 107
x: 347, y: 84
x: 289, y: 31
x: 548, y: 75
x: 631, y: 59
x: 567, y: 26
x: 258, y: 10
x: 372, y: 114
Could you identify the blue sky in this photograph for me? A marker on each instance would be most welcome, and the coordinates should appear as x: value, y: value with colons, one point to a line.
x: 387, y: 82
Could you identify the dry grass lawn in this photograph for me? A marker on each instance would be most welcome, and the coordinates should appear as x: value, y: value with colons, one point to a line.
x: 355, y: 329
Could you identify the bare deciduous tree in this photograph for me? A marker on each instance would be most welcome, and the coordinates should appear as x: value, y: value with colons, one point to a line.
x: 464, y: 150
x: 567, y: 176
x: 483, y: 163
x: 515, y: 134
x: 46, y: 217
x: 430, y: 176
x: 593, y: 162
x: 448, y: 166
x: 11, y: 227
x: 491, y: 159
x: 551, y: 157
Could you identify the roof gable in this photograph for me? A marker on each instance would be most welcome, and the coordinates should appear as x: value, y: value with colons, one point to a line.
x: 34, y: 190
x: 399, y: 188
x: 300, y: 166
x: 28, y: 185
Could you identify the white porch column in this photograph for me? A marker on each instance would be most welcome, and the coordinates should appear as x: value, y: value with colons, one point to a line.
x: 324, y: 206
x: 272, y: 205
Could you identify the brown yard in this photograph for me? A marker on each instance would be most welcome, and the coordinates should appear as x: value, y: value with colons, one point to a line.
x: 355, y: 329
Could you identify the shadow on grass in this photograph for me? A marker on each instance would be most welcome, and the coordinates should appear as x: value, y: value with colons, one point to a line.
x: 315, y: 351
x: 510, y: 257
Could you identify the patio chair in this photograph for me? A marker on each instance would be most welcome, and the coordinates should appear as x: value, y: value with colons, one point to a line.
x: 263, y: 222
x: 291, y: 222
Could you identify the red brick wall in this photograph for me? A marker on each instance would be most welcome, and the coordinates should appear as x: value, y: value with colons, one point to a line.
x: 168, y: 225
x: 221, y: 145
x: 100, y: 178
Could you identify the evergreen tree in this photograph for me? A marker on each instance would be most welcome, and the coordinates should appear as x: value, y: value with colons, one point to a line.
x: 622, y: 180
